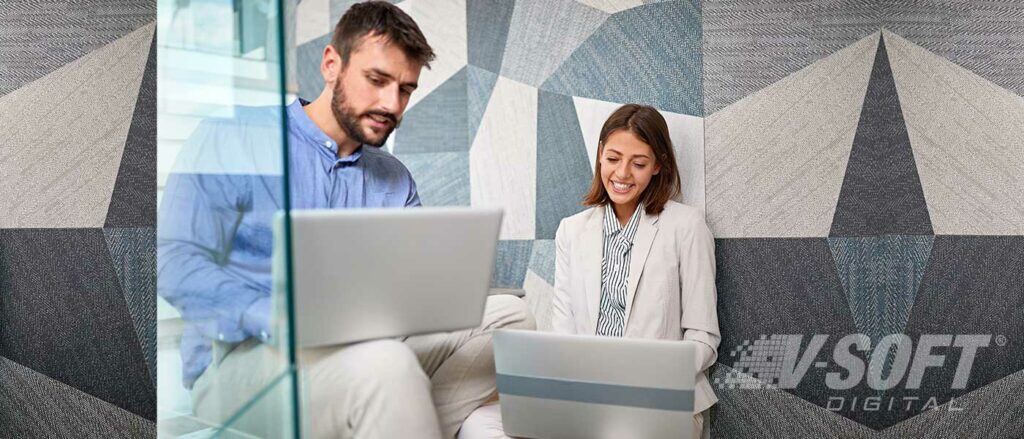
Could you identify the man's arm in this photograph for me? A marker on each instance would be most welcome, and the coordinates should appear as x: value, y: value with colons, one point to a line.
x: 203, y: 203
x: 199, y: 216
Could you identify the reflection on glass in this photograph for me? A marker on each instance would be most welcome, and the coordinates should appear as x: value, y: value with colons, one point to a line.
x: 225, y: 360
x: 235, y: 28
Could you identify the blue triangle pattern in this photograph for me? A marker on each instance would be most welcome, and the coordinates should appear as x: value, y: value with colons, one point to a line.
x: 618, y: 64
x: 881, y: 276
x: 434, y: 124
x: 479, y: 86
x: 563, y: 169
x: 487, y: 31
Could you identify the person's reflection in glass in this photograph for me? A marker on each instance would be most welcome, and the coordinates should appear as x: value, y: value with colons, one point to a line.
x: 215, y: 243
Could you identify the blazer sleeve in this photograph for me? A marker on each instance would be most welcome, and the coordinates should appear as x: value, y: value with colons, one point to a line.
x: 561, y: 304
x: 699, y: 299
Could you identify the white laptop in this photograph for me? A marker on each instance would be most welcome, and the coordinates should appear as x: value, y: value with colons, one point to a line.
x: 578, y: 386
x: 361, y: 274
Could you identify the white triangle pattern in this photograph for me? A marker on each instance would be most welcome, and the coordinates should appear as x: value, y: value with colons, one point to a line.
x: 67, y: 131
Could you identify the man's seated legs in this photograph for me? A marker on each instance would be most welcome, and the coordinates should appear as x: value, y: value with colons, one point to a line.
x: 237, y: 375
x: 356, y: 390
x: 484, y: 423
x: 374, y: 389
x: 377, y: 388
x: 461, y: 363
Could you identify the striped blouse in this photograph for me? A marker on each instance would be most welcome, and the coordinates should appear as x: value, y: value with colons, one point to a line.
x: 618, y: 241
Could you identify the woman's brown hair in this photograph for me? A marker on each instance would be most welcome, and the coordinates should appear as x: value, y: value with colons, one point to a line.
x: 649, y: 126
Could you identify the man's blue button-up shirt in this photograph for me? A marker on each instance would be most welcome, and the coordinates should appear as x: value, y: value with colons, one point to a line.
x: 215, y: 231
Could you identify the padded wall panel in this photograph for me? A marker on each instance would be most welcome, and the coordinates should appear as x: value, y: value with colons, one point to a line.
x: 33, y: 405
x: 65, y: 315
x: 928, y: 166
x: 77, y: 212
x: 67, y: 132
x: 40, y: 36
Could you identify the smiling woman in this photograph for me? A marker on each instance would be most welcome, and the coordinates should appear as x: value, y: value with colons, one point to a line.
x: 655, y: 257
x: 635, y: 151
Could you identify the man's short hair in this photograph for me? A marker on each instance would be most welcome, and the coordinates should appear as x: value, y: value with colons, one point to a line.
x: 379, y: 18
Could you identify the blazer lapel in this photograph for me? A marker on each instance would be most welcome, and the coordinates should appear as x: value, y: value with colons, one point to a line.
x: 593, y: 251
x: 642, y: 242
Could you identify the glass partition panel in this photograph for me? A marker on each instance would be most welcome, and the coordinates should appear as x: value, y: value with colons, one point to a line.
x: 226, y: 361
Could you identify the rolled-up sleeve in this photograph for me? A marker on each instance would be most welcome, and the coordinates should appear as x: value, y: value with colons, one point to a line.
x: 199, y: 215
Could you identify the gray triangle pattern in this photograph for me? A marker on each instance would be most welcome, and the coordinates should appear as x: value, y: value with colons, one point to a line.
x: 40, y: 36
x: 750, y: 44
x: 133, y: 201
x: 769, y: 412
x: 133, y: 254
x: 33, y: 405
x: 65, y: 315
x: 881, y: 192
x: 988, y: 412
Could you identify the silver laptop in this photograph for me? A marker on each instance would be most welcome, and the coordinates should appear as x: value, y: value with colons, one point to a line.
x: 361, y: 274
x: 577, y: 386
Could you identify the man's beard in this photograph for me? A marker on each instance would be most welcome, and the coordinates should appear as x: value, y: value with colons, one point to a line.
x: 350, y: 121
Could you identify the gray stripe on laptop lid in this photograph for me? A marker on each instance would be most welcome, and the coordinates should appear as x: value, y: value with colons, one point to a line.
x: 596, y: 393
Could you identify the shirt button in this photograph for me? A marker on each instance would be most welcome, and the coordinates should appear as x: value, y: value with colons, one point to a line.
x: 327, y: 144
x: 264, y: 336
x: 220, y: 336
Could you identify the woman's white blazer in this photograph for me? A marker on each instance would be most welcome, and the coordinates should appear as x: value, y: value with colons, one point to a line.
x: 670, y: 288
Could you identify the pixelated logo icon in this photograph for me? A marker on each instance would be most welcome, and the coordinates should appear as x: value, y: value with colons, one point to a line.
x: 758, y: 364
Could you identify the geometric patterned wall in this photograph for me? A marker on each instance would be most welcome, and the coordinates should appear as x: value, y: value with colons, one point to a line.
x: 864, y: 166
x: 859, y: 162
x: 77, y: 218
x: 510, y: 112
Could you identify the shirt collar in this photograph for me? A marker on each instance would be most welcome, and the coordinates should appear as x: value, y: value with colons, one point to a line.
x: 612, y: 226
x: 301, y: 125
